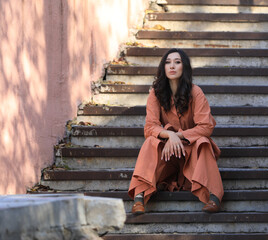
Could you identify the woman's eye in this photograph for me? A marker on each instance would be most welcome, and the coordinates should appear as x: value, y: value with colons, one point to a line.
x: 167, y: 62
x: 178, y: 62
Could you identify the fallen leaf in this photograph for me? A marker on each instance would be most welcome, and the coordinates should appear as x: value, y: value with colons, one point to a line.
x: 135, y: 44
x: 159, y: 27
x: 149, y: 11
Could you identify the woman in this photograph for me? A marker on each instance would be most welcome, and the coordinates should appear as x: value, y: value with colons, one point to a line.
x: 178, y: 153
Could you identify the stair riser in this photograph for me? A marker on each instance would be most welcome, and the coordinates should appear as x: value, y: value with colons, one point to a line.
x: 196, y: 206
x: 199, y: 80
x: 105, y: 185
x: 209, y: 26
x: 136, y: 141
x: 135, y: 99
x: 113, y: 120
x: 139, y: 121
x: 203, y: 43
x: 215, y: 9
x: 124, y: 162
x: 196, y: 228
x: 206, y: 61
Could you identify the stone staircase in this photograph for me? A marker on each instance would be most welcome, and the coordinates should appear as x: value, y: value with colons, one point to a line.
x: 228, y: 46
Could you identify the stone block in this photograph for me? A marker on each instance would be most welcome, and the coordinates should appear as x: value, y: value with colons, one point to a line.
x: 59, y: 216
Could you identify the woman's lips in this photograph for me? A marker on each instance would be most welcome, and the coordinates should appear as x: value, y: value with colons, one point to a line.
x: 172, y: 72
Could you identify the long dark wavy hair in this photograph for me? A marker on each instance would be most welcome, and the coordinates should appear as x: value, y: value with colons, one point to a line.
x: 162, y: 87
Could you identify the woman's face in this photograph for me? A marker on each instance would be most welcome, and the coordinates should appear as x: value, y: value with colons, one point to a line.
x: 173, y: 66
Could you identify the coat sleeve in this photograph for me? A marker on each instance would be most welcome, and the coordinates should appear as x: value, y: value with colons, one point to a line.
x: 153, y: 124
x: 203, y: 120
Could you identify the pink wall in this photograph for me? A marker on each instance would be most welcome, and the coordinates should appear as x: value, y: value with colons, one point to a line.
x: 50, y: 50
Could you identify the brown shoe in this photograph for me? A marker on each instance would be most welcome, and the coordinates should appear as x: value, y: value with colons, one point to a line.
x: 138, y: 208
x: 211, y: 207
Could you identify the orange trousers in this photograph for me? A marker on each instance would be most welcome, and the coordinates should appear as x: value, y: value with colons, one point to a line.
x: 197, y: 172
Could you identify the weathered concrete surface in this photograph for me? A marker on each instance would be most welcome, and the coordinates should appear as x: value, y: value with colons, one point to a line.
x: 203, y: 43
x: 135, y: 121
x: 205, y: 61
x: 216, y: 9
x: 137, y: 141
x: 199, y: 80
x: 209, y: 26
x: 196, y: 206
x: 135, y: 99
x: 58, y: 216
x: 76, y: 163
x: 123, y: 185
x: 196, y: 228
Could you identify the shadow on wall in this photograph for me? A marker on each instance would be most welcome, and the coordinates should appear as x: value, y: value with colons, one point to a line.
x: 29, y: 72
x: 50, y: 51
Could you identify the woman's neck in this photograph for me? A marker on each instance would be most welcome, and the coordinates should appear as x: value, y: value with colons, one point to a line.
x: 173, y: 86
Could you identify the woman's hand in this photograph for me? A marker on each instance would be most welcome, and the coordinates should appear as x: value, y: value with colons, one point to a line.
x: 173, y: 146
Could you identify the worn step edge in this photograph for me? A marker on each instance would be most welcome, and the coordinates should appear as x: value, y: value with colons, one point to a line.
x: 169, y: 35
x: 91, y: 131
x: 74, y: 175
x: 133, y: 152
x: 176, y: 236
x: 141, y: 110
x: 208, y: 89
x: 204, y: 71
x: 198, y: 52
x: 188, y: 217
x: 229, y: 195
x: 208, y: 17
x: 216, y: 2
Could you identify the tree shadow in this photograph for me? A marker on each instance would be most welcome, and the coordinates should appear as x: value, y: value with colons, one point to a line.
x: 34, y: 88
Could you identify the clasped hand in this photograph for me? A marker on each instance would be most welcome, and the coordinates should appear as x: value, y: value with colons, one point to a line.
x: 173, y: 146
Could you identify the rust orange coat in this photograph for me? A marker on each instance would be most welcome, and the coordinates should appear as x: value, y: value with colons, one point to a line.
x: 199, y: 169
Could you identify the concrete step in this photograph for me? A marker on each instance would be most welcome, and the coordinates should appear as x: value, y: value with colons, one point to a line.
x: 99, y: 162
x: 195, y: 52
x: 201, y: 35
x: 210, y: 17
x: 195, y: 39
x: 215, y: 9
x: 104, y: 158
x: 189, y: 236
x: 196, y: 222
x: 202, y: 71
x: 98, y: 157
x: 213, y: 99
x: 125, y: 174
x: 199, y: 80
x: 123, y: 185
x: 206, y: 61
x: 202, y: 57
x: 202, y: 42
x: 131, y: 95
x: 184, y: 201
x: 137, y: 141
x: 191, y: 206
x: 116, y: 137
x: 229, y: 195
x: 239, y: 201
x: 208, y: 22
x: 207, y: 89
x: 98, y: 151
x: 105, y: 180
x: 237, y: 3
x: 135, y: 116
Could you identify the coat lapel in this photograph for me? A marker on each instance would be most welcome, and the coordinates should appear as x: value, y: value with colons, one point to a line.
x: 173, y: 116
